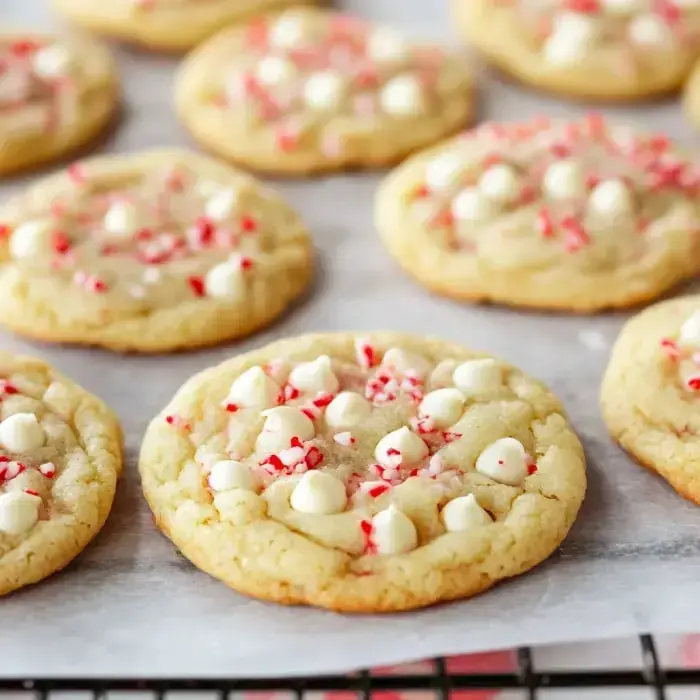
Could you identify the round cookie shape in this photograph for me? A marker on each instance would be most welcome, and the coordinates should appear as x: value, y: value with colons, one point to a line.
x: 149, y: 253
x: 594, y: 49
x: 578, y: 216
x: 310, y: 90
x: 164, y: 25
x: 56, y: 95
x: 651, y: 392
x: 399, y: 472
x: 60, y: 456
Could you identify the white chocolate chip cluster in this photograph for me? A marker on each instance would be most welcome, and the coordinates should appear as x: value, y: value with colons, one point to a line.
x: 147, y: 239
x: 35, y: 436
x: 352, y: 448
x: 626, y: 33
x: 589, y: 189
x: 307, y: 72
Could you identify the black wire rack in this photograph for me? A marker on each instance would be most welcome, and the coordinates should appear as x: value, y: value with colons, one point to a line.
x: 525, y: 677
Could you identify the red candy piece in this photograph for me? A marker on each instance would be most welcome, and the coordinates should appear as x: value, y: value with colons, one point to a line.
x: 197, y: 285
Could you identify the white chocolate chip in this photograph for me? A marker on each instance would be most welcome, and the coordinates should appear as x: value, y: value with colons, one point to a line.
x: 289, y: 31
x: 121, y: 219
x: 385, y: 45
x: 152, y: 275
x: 324, y: 91
x: 19, y: 512
x: 347, y: 409
x: 476, y: 377
x: 471, y: 205
x: 52, y: 62
x: 393, y: 532
x: 21, y: 432
x: 315, y: 376
x: 611, y: 198
x: 443, y: 406
x: 500, y: 183
x: 504, y: 461
x: 464, y: 513
x: 650, y: 30
x: 564, y: 179
x: 318, y: 493
x: 690, y: 331
x: 411, y: 448
x: 225, y: 281
x: 253, y: 389
x: 273, y: 70
x: 30, y: 239
x: 572, y: 37
x: 443, y: 171
x: 222, y: 204
x: 404, y: 362
x: 402, y: 96
x: 281, y: 425
x: 229, y: 474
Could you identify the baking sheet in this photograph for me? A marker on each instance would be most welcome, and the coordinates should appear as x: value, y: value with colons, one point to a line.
x: 131, y: 605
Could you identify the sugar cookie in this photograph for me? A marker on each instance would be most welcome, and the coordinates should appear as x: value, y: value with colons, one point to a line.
x: 56, y: 95
x: 651, y: 392
x: 363, y: 474
x: 164, y: 25
x: 60, y: 455
x: 310, y: 90
x: 150, y: 252
x: 579, y: 216
x: 600, y: 49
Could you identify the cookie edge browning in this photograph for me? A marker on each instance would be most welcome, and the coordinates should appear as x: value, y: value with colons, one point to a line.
x: 305, y: 162
x: 169, y: 39
x: 623, y: 420
x: 336, y: 597
x: 562, y: 86
x: 390, y: 218
x: 40, y: 555
x: 128, y: 336
x: 691, y: 96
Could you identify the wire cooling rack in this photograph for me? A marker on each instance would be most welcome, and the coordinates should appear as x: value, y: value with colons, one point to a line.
x: 525, y: 678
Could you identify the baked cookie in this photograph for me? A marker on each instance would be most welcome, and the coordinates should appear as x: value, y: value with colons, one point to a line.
x: 600, y: 49
x: 164, y: 25
x: 692, y: 96
x: 578, y: 216
x: 150, y: 252
x: 56, y: 95
x: 650, y: 393
x: 311, y: 90
x: 363, y: 474
x: 60, y: 455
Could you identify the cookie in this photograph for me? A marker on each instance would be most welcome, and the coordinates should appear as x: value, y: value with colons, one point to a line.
x: 149, y: 253
x: 310, y: 90
x: 363, y: 474
x: 164, y: 25
x: 599, y: 49
x: 57, y: 94
x: 692, y: 96
x: 60, y: 456
x: 576, y: 216
x: 651, y: 391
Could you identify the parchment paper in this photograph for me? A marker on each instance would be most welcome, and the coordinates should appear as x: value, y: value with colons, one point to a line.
x: 131, y: 605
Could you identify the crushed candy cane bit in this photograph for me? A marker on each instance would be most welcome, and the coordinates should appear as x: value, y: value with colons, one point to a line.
x: 345, y: 439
